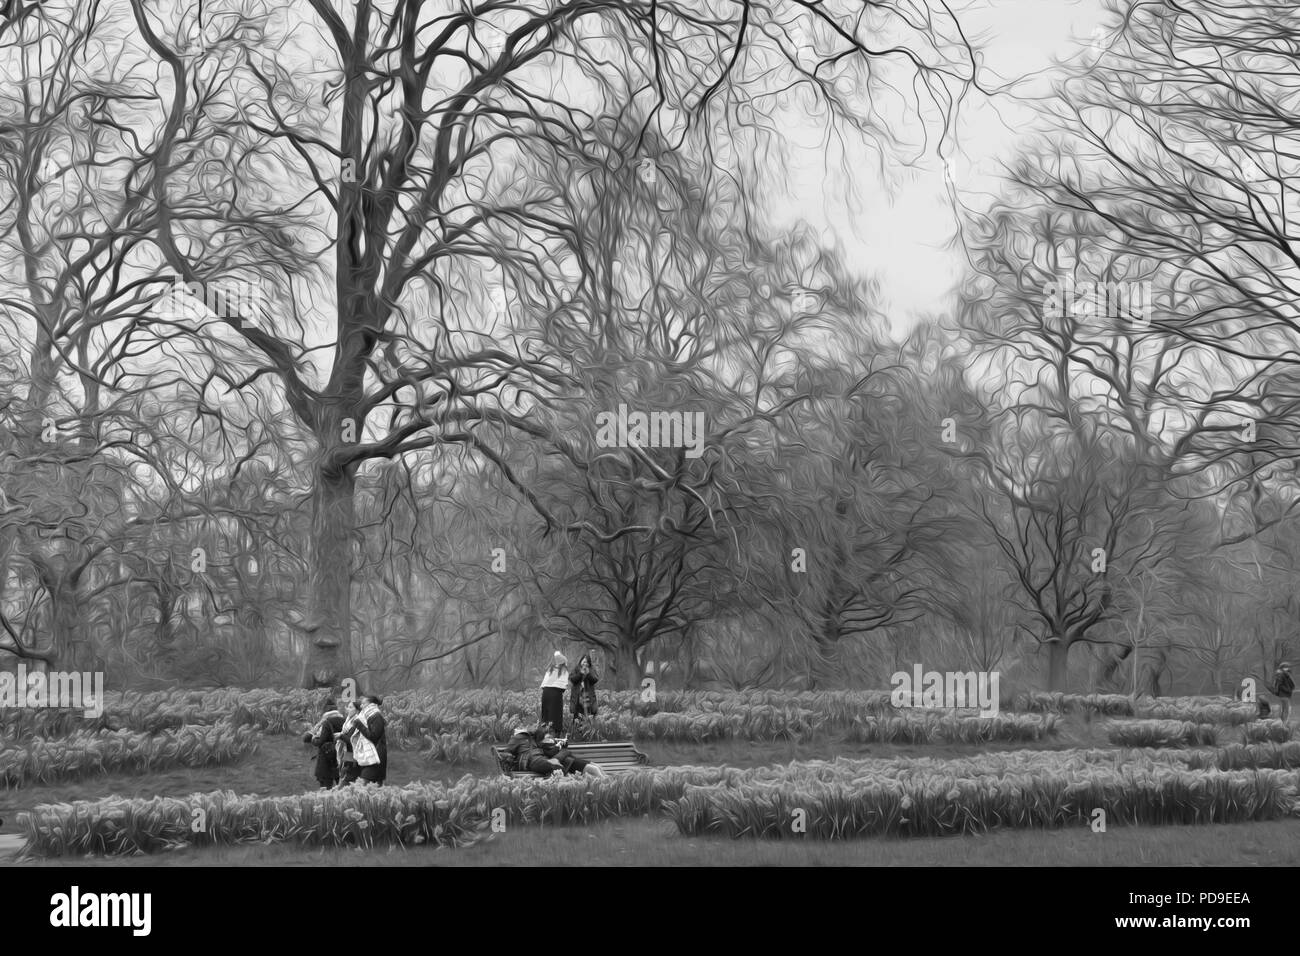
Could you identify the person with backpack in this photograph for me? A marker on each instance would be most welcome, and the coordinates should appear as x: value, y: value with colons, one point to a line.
x: 322, y: 736
x: 1283, y: 687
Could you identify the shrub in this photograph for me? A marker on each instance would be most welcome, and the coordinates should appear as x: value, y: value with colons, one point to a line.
x: 1269, y: 731
x: 84, y: 754
x: 1160, y: 733
x: 362, y: 816
x: 938, y: 804
x: 922, y: 727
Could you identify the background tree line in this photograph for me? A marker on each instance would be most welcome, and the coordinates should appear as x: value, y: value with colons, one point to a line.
x: 479, y: 227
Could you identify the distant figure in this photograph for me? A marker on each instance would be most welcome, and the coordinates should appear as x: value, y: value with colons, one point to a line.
x: 582, y: 693
x: 1262, y: 708
x: 554, y: 682
x: 1283, y: 687
x: 371, y: 727
x: 322, y: 737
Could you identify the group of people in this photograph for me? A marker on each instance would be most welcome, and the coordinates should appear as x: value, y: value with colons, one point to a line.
x: 536, y: 748
x: 581, y: 684
x: 351, y: 746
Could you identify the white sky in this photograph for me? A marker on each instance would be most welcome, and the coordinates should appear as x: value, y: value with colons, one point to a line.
x: 900, y: 233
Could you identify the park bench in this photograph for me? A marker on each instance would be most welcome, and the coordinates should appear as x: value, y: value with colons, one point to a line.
x: 613, y: 756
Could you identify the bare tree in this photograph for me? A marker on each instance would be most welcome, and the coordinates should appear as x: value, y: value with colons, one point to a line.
x: 1180, y: 141
x: 420, y: 157
x: 1094, y: 426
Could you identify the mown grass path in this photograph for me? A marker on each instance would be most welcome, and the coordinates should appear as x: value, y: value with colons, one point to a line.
x: 655, y: 842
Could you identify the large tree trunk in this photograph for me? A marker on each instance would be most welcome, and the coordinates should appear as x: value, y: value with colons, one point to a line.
x: 70, y: 646
x: 165, y: 632
x: 627, y: 671
x: 328, y: 660
x: 824, y: 668
x: 1058, y: 654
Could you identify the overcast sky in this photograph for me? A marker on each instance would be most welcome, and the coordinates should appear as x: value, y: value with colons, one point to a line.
x: 900, y: 233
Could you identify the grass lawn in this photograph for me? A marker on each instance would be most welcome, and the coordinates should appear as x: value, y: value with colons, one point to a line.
x: 282, y: 766
x: 651, y: 842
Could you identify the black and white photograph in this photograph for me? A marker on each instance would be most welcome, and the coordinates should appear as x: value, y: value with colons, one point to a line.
x: 650, y: 434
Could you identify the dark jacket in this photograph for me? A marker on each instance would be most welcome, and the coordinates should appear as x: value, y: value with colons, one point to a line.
x: 373, y: 730
x: 530, y: 745
x: 582, y: 693
x: 322, y: 738
x: 1283, y: 685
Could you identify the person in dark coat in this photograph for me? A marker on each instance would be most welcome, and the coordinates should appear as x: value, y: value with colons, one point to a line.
x: 537, y: 751
x: 582, y: 690
x: 1283, y: 687
x: 527, y: 747
x: 371, y: 726
x: 322, y: 737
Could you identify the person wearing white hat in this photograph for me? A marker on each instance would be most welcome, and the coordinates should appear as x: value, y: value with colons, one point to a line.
x: 554, y: 680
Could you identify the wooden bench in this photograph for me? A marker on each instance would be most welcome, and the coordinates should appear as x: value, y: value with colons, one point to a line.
x: 613, y: 756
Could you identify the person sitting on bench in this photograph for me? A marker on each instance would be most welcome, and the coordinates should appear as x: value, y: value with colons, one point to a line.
x: 570, y: 761
x: 536, y: 751
x: 526, y: 746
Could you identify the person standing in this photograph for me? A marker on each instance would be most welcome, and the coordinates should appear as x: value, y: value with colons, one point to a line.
x: 372, y: 729
x: 554, y: 681
x: 322, y: 737
x: 349, y: 772
x: 582, y: 692
x: 1283, y: 687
